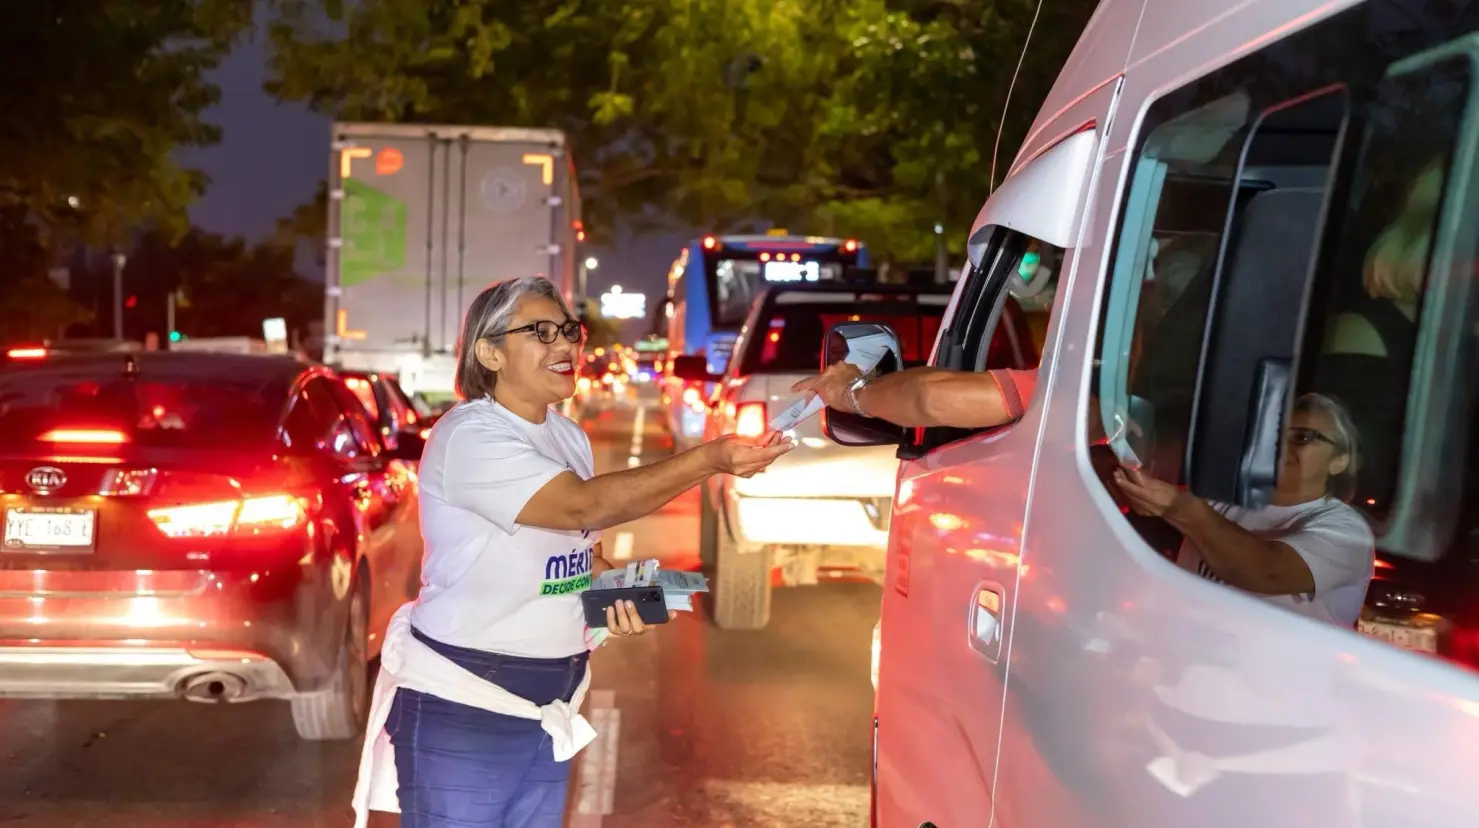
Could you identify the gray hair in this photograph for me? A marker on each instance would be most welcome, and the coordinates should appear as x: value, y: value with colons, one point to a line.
x: 487, y: 318
x: 1341, y: 486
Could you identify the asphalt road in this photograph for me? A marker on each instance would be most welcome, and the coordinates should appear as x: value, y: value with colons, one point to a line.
x: 700, y: 727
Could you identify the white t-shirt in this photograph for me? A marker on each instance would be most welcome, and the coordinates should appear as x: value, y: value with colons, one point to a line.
x: 1333, y: 539
x: 487, y: 582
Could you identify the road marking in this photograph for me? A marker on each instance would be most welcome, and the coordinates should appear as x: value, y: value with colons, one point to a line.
x: 623, y: 550
x: 639, y: 426
x: 597, y: 785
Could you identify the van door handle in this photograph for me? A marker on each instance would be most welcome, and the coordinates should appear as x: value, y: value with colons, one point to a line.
x: 985, y: 620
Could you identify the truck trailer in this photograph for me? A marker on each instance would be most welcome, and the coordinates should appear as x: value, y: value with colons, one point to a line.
x: 424, y: 216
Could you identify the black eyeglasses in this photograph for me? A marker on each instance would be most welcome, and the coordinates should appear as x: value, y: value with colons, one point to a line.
x: 1305, y: 436
x: 547, y: 331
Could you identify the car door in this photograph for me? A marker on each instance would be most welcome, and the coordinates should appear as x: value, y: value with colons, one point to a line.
x: 962, y: 498
x: 377, y: 490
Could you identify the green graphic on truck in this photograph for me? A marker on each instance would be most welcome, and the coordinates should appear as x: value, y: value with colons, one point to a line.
x: 374, y: 232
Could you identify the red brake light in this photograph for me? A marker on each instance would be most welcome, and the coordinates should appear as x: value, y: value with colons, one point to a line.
x: 851, y: 245
x: 749, y: 419
x: 103, y: 436
x: 355, y: 382
x: 710, y: 242
x: 248, y: 516
x: 26, y: 353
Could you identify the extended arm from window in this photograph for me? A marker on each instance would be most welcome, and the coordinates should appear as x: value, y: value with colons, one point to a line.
x: 928, y: 396
x: 1239, y: 557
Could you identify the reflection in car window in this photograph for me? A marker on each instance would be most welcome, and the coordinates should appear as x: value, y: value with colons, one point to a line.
x: 157, y: 410
x: 790, y: 339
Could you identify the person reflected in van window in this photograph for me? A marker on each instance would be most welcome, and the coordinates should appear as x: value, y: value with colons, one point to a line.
x: 1309, y: 551
x: 1368, y: 358
x: 926, y: 396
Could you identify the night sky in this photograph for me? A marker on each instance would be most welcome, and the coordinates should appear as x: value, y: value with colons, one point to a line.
x: 272, y: 156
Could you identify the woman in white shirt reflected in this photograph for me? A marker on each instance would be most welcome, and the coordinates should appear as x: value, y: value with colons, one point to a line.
x: 1309, y: 551
x: 511, y: 512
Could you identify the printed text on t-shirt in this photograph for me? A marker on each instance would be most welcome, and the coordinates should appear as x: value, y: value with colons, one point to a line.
x: 564, y: 574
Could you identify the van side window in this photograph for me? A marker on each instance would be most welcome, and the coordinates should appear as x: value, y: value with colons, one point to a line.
x: 1325, y: 220
x: 990, y: 329
x: 1392, y: 332
x: 1219, y: 192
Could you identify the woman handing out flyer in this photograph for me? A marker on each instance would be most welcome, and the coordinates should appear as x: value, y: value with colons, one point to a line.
x: 474, y: 715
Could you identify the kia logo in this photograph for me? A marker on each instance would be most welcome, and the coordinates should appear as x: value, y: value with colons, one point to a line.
x: 46, y: 479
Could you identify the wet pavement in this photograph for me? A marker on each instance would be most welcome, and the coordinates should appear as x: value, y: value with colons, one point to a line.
x: 711, y: 728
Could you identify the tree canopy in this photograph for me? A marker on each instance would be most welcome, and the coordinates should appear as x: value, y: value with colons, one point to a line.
x: 97, y: 97
x: 871, y: 118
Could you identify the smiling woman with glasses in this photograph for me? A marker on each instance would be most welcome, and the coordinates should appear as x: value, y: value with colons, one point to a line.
x: 482, y: 675
x: 1309, y: 551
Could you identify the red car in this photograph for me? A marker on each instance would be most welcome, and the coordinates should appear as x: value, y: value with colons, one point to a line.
x: 198, y: 526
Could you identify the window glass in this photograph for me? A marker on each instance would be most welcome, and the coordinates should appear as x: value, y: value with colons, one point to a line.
x: 1373, y: 308
x: 163, y: 408
x: 1213, y: 183
x: 364, y: 437
x: 790, y: 338
x: 1020, y: 330
x: 364, y: 390
x: 1333, y: 226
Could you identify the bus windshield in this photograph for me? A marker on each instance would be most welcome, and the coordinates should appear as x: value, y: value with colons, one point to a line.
x: 736, y: 282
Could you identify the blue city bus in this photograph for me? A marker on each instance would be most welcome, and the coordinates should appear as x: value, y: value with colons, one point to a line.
x: 711, y: 286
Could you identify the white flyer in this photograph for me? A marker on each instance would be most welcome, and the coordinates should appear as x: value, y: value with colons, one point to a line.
x: 864, y: 352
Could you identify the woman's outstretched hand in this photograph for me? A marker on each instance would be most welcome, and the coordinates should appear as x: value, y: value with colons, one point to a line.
x: 742, y: 457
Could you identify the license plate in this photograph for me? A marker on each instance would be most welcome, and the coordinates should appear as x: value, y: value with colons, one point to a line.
x: 69, y: 530
x: 1417, y: 639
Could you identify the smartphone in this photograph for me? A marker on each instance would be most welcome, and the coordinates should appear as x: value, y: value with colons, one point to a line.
x: 651, y: 607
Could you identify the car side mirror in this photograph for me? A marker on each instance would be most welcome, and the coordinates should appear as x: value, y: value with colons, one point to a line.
x: 848, y: 428
x: 692, y: 368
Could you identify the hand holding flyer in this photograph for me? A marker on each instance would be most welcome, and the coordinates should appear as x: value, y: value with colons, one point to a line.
x: 864, y: 353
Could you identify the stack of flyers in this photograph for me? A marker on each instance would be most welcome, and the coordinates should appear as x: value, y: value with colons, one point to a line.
x: 677, y: 587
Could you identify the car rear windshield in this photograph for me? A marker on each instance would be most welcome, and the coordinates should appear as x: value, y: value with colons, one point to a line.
x: 789, y: 340
x: 163, y: 411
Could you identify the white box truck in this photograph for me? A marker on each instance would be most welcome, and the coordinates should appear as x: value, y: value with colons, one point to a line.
x: 424, y: 216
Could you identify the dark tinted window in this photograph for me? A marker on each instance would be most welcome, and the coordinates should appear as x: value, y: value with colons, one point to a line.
x: 789, y: 340
x: 364, y: 438
x: 154, y: 409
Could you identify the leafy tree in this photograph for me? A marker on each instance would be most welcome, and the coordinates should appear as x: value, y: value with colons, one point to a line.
x: 870, y: 118
x: 97, y: 96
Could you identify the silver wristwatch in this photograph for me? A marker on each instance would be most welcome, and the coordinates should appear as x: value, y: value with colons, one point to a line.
x: 852, y: 392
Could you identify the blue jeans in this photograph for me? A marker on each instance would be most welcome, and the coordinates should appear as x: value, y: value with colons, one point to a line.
x: 461, y: 766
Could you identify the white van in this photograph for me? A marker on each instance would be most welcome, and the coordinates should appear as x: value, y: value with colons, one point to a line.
x: 1194, y: 214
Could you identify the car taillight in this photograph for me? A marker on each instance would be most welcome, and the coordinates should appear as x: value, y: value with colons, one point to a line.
x: 248, y: 516
x: 749, y: 419
x: 26, y: 353
x: 94, y: 436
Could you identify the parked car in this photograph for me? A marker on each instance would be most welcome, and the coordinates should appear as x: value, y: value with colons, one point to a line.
x: 393, y: 413
x: 1219, y: 209
x: 822, y: 507
x: 198, y: 526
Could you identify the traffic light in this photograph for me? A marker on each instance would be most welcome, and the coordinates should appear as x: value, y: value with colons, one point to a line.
x: 175, y: 336
x: 131, y: 302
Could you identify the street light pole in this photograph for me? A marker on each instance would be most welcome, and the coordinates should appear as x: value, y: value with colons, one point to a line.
x: 119, y: 260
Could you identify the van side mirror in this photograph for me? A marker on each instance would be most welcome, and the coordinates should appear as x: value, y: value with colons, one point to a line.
x: 848, y: 428
x: 692, y: 368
